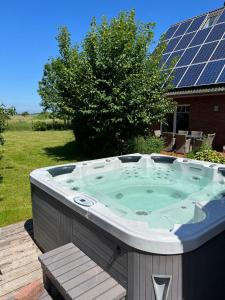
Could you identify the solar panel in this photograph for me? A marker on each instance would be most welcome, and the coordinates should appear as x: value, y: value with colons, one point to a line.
x: 222, y: 18
x: 191, y: 75
x: 164, y: 58
x: 178, y: 73
x: 216, y: 33
x: 174, y: 55
x: 182, y: 28
x: 220, y: 51
x: 201, y: 51
x: 196, y: 24
x: 172, y: 44
x: 200, y: 37
x: 188, y: 56
x: 222, y: 77
x: 211, y: 72
x: 205, y: 52
x: 185, y: 41
x: 170, y: 32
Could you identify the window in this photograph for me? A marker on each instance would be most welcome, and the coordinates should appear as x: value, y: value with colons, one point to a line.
x: 185, y: 108
x: 211, y: 20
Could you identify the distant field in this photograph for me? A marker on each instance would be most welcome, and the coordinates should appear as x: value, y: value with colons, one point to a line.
x: 25, y: 151
x: 19, y: 122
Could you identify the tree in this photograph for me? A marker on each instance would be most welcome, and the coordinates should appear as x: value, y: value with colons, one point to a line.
x: 25, y: 114
x: 113, y: 88
x: 5, y: 114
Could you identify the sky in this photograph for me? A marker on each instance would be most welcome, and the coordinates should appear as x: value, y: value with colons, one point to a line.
x: 28, y: 29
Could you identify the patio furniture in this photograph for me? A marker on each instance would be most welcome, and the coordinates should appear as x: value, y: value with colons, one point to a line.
x: 210, y: 137
x: 182, y: 132
x: 195, y: 133
x: 196, y: 144
x: 69, y: 273
x: 182, y: 144
x: 157, y: 133
x: 168, y: 141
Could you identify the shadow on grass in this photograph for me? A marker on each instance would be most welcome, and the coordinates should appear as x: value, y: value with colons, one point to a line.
x: 69, y: 151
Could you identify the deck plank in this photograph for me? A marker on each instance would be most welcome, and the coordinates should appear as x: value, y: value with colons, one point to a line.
x: 19, y: 263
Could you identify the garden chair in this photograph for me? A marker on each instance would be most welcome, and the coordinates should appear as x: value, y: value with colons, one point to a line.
x: 197, y: 133
x: 169, y: 140
x: 210, y: 137
x: 182, y: 132
x: 196, y: 144
x: 182, y: 144
x: 157, y: 133
x: 208, y: 140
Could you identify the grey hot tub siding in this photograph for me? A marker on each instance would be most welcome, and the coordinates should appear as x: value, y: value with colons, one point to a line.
x: 196, y: 275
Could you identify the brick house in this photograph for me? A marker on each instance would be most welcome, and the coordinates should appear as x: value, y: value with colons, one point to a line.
x: 198, y: 44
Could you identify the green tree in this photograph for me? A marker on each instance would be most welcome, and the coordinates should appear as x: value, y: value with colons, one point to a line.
x: 113, y: 88
x: 5, y: 114
x: 25, y: 114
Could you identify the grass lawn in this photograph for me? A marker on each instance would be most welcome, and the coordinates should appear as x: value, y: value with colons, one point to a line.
x: 25, y: 151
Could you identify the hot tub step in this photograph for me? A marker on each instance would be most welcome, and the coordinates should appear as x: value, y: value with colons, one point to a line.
x: 71, y: 273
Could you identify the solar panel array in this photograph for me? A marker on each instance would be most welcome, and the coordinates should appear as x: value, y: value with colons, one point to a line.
x: 200, y: 51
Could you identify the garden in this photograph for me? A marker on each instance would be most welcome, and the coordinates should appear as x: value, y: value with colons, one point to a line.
x: 100, y: 99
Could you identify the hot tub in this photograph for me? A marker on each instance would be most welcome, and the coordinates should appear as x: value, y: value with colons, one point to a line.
x: 155, y: 223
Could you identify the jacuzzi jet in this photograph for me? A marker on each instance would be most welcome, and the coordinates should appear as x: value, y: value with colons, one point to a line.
x: 69, y: 181
x: 141, y: 213
x: 83, y: 201
x: 149, y: 191
x: 75, y: 188
x: 119, y: 196
x: 176, y: 195
x: 99, y: 177
x: 195, y: 178
x: 183, y: 207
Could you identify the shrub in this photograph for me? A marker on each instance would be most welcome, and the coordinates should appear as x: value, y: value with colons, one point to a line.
x: 146, y: 145
x: 210, y: 155
x: 48, y: 125
x: 40, y: 126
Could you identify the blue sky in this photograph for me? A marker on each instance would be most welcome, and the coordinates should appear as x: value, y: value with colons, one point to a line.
x: 28, y: 29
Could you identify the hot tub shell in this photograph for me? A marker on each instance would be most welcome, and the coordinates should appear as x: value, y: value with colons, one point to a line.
x: 186, y: 266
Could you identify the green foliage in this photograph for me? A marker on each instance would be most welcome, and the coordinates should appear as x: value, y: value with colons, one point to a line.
x: 113, y: 88
x: 210, y: 155
x: 43, y: 125
x: 145, y: 145
x: 206, y: 144
x: 5, y: 114
x: 44, y: 115
x: 25, y: 113
x: 40, y: 126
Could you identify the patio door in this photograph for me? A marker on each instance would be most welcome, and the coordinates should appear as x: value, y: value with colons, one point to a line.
x: 182, y: 117
x: 179, y: 120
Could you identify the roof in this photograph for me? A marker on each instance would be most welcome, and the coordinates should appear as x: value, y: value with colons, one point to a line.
x: 197, y: 91
x: 199, y: 47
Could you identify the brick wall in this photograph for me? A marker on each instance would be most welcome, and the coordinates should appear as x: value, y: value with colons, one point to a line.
x: 203, y: 117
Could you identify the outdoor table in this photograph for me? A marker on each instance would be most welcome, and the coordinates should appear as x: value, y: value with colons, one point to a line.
x: 193, y: 137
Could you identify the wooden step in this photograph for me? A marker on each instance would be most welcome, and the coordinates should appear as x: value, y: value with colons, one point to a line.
x: 76, y: 276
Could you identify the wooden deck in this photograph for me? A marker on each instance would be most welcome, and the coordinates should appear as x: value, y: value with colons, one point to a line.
x: 19, y: 263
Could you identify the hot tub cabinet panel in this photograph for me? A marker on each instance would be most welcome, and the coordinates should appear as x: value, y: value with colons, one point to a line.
x: 194, y: 275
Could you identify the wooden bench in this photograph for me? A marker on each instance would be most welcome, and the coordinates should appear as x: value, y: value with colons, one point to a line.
x: 74, y: 275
